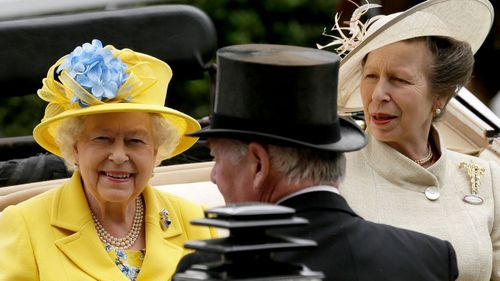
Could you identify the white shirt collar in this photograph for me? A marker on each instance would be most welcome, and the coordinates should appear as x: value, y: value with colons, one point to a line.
x: 329, y: 188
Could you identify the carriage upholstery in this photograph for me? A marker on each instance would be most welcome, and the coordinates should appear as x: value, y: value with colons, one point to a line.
x: 191, y: 181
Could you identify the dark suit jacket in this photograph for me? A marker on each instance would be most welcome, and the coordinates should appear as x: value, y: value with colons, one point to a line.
x: 352, y: 249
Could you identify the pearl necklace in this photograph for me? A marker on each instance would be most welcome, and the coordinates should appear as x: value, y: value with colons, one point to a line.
x: 427, y: 158
x: 122, y: 243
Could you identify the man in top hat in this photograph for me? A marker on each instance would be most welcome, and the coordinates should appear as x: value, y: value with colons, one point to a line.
x: 276, y: 137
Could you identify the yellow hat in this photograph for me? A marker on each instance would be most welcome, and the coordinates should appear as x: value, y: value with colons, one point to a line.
x: 95, y: 79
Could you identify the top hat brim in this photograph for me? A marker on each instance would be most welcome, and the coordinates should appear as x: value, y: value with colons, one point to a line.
x: 352, y: 137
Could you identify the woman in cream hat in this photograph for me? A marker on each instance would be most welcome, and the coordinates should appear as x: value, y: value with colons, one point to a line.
x: 401, y: 70
x: 106, y: 117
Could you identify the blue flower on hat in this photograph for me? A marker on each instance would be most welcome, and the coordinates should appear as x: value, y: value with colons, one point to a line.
x: 96, y: 70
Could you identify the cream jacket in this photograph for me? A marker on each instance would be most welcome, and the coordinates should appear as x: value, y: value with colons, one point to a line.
x: 52, y: 237
x: 384, y: 186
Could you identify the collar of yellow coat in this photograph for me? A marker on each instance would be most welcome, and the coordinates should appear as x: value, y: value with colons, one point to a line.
x: 71, y: 214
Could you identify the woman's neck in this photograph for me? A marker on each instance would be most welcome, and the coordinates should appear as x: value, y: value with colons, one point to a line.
x: 424, y: 151
x: 116, y: 218
x: 418, y: 150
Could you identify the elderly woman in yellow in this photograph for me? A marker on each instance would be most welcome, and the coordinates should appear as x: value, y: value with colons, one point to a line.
x: 402, y: 72
x: 106, y: 117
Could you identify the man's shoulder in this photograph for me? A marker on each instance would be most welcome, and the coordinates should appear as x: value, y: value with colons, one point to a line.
x: 401, y: 242
x: 399, y: 234
x: 346, y: 218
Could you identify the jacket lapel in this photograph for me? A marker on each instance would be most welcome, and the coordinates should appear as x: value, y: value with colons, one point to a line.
x: 70, y: 212
x: 161, y: 254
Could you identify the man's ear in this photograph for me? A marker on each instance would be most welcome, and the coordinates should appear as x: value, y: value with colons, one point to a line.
x: 260, y: 164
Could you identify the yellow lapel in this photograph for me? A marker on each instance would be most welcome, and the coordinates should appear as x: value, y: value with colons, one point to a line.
x: 162, y: 254
x: 82, y: 246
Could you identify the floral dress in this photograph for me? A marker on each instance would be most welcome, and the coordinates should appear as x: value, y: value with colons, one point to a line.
x: 128, y: 261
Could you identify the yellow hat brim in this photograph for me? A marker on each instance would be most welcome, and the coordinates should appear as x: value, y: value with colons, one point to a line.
x: 45, y: 131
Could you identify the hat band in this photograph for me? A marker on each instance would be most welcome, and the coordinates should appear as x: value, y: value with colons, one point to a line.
x: 310, y: 133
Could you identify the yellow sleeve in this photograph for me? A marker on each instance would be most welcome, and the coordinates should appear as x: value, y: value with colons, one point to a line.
x: 17, y: 260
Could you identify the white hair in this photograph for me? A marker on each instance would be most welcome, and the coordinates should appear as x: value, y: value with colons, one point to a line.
x: 298, y: 163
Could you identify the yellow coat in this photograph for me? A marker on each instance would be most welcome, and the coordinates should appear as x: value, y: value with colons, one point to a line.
x: 52, y: 237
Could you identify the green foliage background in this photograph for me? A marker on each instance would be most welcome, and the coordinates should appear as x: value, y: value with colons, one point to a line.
x: 292, y: 22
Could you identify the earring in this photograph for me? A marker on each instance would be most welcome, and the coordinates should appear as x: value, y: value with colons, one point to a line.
x: 438, y: 111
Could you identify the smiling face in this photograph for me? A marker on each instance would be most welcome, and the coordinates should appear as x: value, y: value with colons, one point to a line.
x: 397, y: 99
x: 115, y: 155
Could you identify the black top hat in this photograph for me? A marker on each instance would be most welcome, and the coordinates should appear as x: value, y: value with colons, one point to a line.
x: 280, y: 94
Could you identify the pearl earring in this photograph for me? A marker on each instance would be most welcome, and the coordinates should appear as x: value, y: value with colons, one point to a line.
x: 438, y: 111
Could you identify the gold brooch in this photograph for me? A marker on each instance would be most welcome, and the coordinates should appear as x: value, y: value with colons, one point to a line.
x: 164, y: 219
x: 474, y: 172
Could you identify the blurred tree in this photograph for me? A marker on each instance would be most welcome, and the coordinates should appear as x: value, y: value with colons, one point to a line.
x: 292, y: 22
x: 19, y: 115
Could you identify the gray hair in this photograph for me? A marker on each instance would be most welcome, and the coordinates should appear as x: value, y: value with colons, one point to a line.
x: 298, y: 163
x: 165, y: 135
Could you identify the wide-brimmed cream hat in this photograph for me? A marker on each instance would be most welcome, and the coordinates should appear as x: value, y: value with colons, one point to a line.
x: 464, y: 20
x: 95, y: 79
